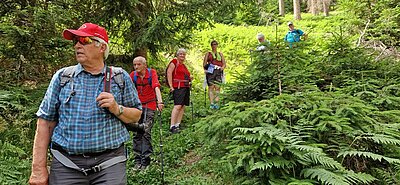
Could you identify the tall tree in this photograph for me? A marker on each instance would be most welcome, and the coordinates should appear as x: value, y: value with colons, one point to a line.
x: 314, y: 7
x: 281, y: 7
x: 296, y: 10
x: 325, y: 5
x: 158, y: 25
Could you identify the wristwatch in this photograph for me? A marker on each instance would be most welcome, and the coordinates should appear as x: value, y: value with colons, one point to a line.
x: 121, y: 110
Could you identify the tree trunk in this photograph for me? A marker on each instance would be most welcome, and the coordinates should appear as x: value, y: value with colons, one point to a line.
x: 281, y: 7
x: 141, y: 52
x: 296, y: 9
x: 325, y: 4
x: 314, y: 7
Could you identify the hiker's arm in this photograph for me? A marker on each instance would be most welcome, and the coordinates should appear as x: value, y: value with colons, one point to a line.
x: 205, y: 61
x: 129, y: 114
x: 305, y: 36
x: 160, y: 104
x: 170, y: 70
x: 223, y: 61
x: 44, y: 130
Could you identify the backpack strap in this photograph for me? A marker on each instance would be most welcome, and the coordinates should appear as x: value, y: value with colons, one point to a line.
x: 67, y: 75
x: 135, y: 77
x: 107, y: 79
x: 116, y: 74
x: 150, y: 80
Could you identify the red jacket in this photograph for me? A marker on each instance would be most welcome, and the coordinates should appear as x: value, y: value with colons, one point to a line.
x: 146, y: 93
x: 180, y: 75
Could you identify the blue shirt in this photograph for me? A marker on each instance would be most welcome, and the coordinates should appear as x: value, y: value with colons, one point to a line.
x: 83, y: 126
x: 293, y: 36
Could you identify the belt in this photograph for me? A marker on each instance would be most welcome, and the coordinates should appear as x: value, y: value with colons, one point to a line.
x: 59, y: 148
x: 86, y: 171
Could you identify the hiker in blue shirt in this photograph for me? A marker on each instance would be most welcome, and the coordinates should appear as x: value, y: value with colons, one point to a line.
x: 294, y: 35
x: 83, y: 117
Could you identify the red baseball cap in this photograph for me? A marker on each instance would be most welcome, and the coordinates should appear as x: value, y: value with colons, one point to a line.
x: 86, y: 30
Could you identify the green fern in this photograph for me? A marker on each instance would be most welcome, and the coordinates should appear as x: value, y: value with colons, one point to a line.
x: 324, y: 176
x: 369, y: 155
x: 385, y: 177
x: 380, y: 139
x: 272, y: 162
x: 322, y: 159
x: 358, y: 178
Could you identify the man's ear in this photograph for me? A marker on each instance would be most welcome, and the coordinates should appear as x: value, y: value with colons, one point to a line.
x: 103, y: 48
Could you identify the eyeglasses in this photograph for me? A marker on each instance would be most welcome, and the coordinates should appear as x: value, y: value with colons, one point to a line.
x: 83, y: 40
x: 214, y: 44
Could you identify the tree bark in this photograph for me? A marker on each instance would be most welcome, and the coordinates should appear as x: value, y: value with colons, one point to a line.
x: 281, y: 7
x: 325, y: 4
x: 314, y: 7
x: 296, y: 10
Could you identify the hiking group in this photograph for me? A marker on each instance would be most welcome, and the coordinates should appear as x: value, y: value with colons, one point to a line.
x: 88, y: 109
x: 292, y: 37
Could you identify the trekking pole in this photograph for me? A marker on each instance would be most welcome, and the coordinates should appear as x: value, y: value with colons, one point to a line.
x: 191, y: 104
x: 161, y: 149
x: 205, y: 97
x: 144, y: 131
x: 205, y: 90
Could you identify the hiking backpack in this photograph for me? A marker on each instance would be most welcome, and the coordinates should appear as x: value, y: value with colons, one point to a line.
x: 117, y: 74
x: 166, y: 74
x: 135, y: 77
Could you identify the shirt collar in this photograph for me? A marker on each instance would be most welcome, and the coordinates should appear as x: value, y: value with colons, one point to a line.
x: 80, y: 69
x: 146, y: 75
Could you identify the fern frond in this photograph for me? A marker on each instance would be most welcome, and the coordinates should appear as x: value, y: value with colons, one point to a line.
x: 306, y: 148
x: 324, y: 176
x: 381, y: 139
x: 272, y: 162
x: 322, y: 159
x: 370, y: 155
x: 385, y: 177
x: 359, y: 178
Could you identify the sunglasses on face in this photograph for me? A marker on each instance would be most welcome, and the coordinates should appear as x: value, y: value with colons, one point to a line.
x: 83, y: 40
x: 214, y: 44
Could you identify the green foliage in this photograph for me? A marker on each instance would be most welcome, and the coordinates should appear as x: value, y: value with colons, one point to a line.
x: 305, y: 133
x: 34, y: 33
x: 384, y: 15
x: 14, y: 166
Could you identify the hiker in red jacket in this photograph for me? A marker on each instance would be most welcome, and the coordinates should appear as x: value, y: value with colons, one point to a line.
x: 148, y: 90
x: 214, y: 65
x: 178, y: 77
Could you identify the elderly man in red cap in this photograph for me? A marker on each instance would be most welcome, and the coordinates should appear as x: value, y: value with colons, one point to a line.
x: 83, y: 117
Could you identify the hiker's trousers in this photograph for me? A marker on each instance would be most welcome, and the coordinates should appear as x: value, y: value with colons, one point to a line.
x: 142, y: 140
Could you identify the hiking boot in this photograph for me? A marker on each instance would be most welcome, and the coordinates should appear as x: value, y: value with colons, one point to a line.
x: 137, y: 167
x: 216, y: 106
x: 144, y: 167
x: 174, y: 129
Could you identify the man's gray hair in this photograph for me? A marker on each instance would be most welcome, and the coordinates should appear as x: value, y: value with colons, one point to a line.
x: 141, y: 59
x: 260, y: 35
x: 107, y: 51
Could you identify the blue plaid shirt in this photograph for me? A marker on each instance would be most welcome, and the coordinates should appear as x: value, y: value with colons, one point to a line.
x: 83, y: 126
